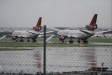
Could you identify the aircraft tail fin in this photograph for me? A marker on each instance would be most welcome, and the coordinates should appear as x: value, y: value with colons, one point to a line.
x: 92, y: 26
x: 94, y: 19
x: 38, y: 26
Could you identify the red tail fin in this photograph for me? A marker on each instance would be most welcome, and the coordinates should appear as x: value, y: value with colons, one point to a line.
x: 38, y: 25
x: 94, y: 19
x: 39, y: 22
x: 92, y: 26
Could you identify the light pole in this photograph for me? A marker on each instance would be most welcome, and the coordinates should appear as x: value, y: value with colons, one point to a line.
x: 44, y: 52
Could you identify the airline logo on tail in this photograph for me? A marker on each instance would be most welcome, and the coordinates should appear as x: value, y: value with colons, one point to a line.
x: 92, y: 26
x: 38, y: 26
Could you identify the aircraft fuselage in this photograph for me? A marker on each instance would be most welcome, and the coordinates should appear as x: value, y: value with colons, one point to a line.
x: 78, y: 34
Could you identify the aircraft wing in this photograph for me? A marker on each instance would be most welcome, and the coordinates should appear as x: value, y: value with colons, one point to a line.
x: 106, y: 32
x: 39, y: 33
x: 3, y: 37
x: 42, y: 33
x: 32, y: 32
x: 50, y: 38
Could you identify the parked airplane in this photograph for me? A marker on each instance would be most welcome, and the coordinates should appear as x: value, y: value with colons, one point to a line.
x: 81, y: 35
x: 103, y: 34
x: 28, y: 34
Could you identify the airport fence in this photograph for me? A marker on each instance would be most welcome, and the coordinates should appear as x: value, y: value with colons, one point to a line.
x: 76, y: 59
x: 63, y: 73
x: 56, y: 58
x: 79, y: 59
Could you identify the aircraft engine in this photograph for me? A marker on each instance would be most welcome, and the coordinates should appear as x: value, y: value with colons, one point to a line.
x: 91, y: 27
x: 14, y: 38
x: 61, y: 38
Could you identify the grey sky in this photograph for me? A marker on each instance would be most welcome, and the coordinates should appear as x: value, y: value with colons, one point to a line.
x: 65, y: 13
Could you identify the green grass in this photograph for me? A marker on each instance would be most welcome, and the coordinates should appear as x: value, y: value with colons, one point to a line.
x: 105, y: 40
x: 7, y: 42
x: 12, y: 49
x: 19, y: 44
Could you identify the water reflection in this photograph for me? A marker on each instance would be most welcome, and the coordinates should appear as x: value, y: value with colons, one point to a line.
x: 18, y: 61
x: 59, y: 59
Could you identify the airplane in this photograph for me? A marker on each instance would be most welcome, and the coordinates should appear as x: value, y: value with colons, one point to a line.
x: 81, y: 35
x: 28, y: 34
x: 103, y: 34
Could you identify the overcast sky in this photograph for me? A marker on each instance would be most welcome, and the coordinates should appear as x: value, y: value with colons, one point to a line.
x: 55, y: 13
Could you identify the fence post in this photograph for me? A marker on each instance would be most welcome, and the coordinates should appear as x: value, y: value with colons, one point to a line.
x: 44, y: 52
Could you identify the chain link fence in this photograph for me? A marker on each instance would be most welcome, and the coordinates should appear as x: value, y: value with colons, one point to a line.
x: 56, y: 58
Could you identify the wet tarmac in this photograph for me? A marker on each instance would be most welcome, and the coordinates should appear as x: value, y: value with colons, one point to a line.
x: 59, y: 59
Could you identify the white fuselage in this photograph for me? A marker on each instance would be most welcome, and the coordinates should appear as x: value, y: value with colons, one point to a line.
x: 78, y: 34
x: 24, y: 34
